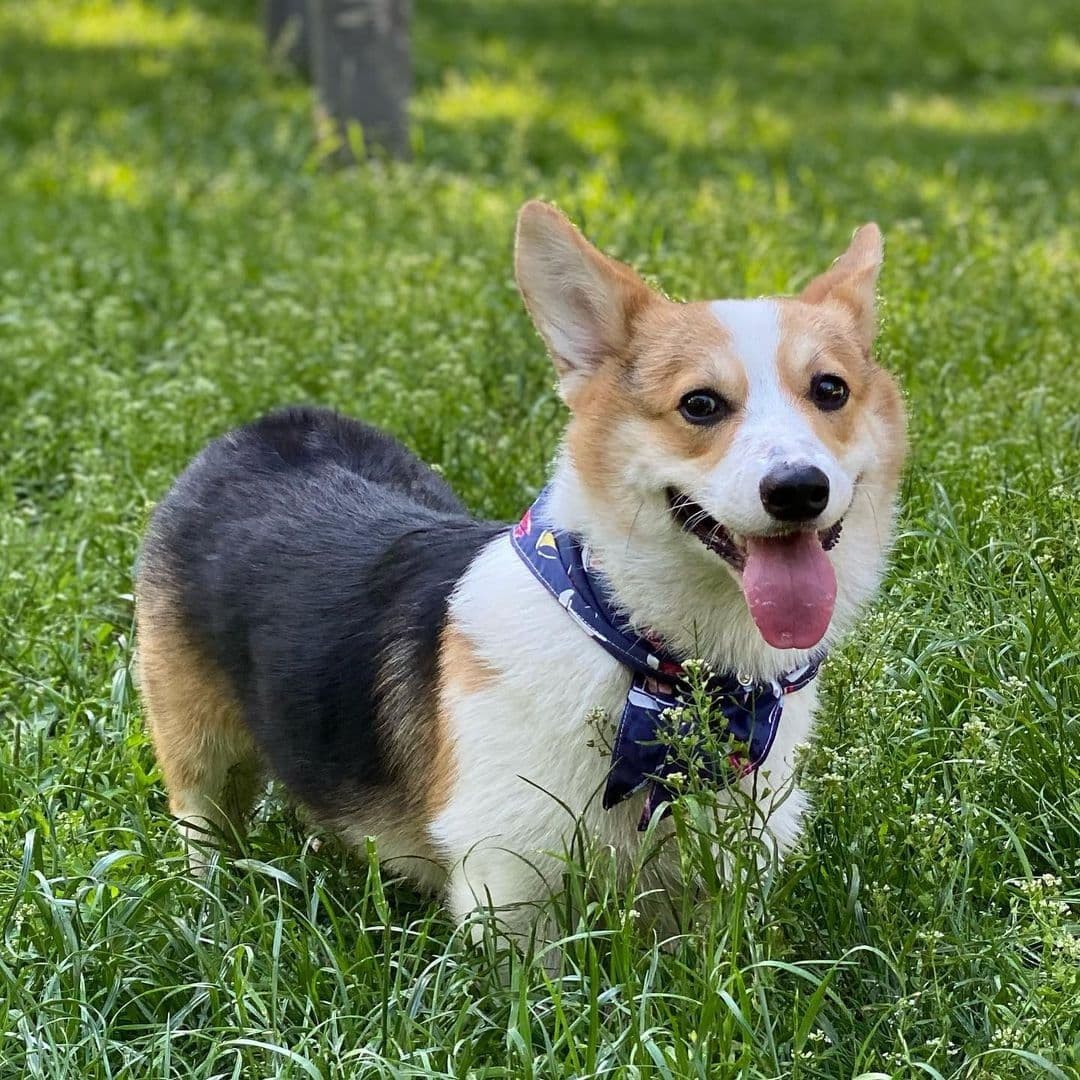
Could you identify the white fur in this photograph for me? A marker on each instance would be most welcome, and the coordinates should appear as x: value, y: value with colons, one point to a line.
x: 773, y: 430
x: 522, y: 742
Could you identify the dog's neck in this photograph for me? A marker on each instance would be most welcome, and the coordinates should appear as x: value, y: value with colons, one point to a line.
x: 683, y: 594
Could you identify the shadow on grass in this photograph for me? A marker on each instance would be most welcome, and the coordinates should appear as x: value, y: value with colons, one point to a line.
x: 544, y: 86
x: 508, y: 89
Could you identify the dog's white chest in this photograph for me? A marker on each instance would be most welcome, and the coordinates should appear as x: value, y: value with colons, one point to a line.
x: 532, y: 744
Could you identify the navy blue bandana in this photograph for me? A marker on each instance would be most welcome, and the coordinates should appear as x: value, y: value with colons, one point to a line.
x: 639, y: 757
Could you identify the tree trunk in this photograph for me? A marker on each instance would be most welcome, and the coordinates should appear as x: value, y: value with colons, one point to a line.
x: 363, y: 70
x: 287, y: 33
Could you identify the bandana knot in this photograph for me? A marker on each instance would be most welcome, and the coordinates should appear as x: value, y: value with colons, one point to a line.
x: 640, y: 756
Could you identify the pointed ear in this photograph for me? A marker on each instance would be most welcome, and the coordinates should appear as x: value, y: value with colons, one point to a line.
x: 851, y: 281
x: 582, y: 302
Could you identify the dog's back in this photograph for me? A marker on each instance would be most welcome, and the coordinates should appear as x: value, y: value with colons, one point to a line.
x: 294, y: 566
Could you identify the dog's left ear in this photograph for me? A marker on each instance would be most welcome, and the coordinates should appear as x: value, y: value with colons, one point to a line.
x: 851, y: 280
x: 582, y: 301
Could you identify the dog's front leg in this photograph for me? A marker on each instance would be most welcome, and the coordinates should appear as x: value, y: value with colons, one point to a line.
x: 498, y: 884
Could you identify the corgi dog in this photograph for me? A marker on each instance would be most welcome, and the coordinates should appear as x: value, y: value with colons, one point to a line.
x: 315, y: 602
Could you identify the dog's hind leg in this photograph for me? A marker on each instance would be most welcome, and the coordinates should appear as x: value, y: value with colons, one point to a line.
x: 207, y: 758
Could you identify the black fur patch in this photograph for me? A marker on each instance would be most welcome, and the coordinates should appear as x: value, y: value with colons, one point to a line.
x: 304, y: 551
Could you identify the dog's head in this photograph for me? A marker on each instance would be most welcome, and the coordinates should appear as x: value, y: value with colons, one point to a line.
x: 757, y: 434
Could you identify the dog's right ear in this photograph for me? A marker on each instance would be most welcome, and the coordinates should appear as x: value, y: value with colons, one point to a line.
x: 582, y: 302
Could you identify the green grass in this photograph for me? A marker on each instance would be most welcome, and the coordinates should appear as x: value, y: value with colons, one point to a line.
x: 173, y: 259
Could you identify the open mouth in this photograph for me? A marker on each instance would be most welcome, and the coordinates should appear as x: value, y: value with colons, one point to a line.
x: 787, y: 579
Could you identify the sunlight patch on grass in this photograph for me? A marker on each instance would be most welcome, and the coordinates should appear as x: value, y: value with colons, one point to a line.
x: 1064, y: 56
x: 463, y: 100
x: 594, y: 132
x: 114, y: 179
x: 684, y: 121
x: 92, y: 24
x: 1002, y: 115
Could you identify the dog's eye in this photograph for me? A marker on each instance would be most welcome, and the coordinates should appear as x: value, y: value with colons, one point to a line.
x: 702, y: 407
x: 828, y: 392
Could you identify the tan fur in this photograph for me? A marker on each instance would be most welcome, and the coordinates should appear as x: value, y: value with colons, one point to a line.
x: 192, y: 714
x: 673, y: 349
x: 817, y: 340
x: 835, y: 315
x: 408, y: 714
x: 886, y: 405
x: 460, y: 664
x: 461, y: 671
x: 597, y: 288
x: 848, y: 284
x: 637, y: 353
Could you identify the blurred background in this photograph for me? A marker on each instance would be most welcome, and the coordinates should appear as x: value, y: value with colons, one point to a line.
x: 178, y: 254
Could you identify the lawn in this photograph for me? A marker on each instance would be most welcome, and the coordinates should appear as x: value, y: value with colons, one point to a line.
x: 174, y: 258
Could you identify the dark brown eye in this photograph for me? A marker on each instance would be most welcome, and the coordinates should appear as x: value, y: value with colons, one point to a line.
x: 828, y: 392
x: 702, y: 407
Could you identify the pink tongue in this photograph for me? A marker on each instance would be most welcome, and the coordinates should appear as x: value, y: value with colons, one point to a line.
x: 790, y: 589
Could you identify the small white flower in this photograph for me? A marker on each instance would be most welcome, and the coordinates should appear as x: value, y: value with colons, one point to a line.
x: 1068, y: 946
x: 1009, y: 1037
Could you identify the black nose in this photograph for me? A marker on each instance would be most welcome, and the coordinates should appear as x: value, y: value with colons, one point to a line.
x: 795, y: 492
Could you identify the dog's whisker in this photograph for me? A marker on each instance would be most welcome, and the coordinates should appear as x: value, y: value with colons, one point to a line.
x: 633, y: 522
x: 680, y: 508
x: 861, y: 489
x: 695, y: 520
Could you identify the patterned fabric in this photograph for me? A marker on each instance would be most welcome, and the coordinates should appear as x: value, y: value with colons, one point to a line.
x: 640, y: 758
